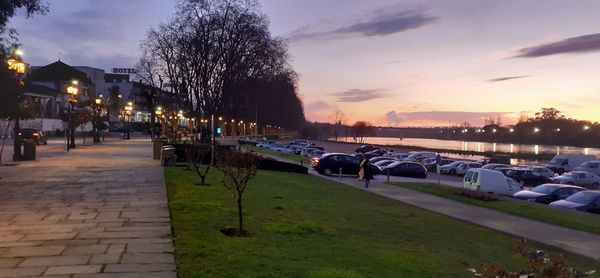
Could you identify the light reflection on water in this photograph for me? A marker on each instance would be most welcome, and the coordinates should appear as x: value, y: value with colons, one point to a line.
x: 479, y: 146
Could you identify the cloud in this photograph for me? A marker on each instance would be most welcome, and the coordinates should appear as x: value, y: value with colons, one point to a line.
x: 506, y: 78
x: 316, y: 106
x: 358, y: 95
x: 380, y: 22
x: 580, y: 44
x: 439, y: 118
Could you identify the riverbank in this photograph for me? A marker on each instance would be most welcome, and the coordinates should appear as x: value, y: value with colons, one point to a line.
x: 337, y: 146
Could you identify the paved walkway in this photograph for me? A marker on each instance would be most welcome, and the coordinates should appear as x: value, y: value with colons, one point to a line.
x: 574, y: 241
x: 98, y: 211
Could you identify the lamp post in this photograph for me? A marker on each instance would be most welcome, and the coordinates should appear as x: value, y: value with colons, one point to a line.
x: 16, y: 64
x: 72, y: 91
x: 98, y: 110
x: 128, y: 111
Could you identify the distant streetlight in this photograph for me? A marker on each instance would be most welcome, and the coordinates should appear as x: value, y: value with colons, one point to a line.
x: 557, y: 130
x: 72, y: 90
x: 586, y: 127
x: 511, y: 130
x: 536, y: 130
x: 494, y: 130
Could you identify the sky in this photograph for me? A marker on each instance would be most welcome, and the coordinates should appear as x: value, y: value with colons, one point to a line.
x: 393, y: 63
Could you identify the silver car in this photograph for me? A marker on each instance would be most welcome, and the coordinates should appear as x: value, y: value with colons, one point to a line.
x: 579, y: 178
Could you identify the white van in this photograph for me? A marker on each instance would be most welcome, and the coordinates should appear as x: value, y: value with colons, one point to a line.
x: 565, y: 163
x: 490, y: 181
x: 589, y: 166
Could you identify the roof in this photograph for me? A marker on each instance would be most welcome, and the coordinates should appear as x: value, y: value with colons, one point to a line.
x: 58, y: 71
x: 41, y: 89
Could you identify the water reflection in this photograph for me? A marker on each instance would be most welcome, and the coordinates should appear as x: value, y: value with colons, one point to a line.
x: 480, y: 146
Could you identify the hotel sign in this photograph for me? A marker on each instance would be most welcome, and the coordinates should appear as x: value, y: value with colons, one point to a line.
x: 124, y: 70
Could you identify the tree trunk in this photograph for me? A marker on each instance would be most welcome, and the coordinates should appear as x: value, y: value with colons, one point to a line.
x: 240, y: 216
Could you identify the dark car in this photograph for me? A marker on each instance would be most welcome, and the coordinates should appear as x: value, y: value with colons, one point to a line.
x: 406, y: 169
x: 377, y: 159
x: 548, y: 193
x: 377, y: 152
x: 331, y: 163
x: 365, y: 149
x: 37, y: 135
x: 526, y: 177
x: 588, y: 201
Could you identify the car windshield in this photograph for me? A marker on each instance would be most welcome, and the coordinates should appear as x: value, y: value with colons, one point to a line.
x: 582, y: 197
x: 556, y: 160
x: 544, y: 189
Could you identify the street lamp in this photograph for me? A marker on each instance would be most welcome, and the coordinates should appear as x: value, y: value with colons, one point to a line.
x: 72, y: 91
x: 586, y: 127
x: 128, y: 112
x: 98, y: 110
x: 16, y: 64
x: 536, y: 130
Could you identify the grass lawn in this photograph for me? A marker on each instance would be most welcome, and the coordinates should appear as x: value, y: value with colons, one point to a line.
x: 288, y: 156
x: 305, y: 226
x: 539, y: 212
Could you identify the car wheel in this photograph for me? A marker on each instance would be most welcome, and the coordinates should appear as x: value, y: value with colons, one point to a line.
x: 452, y: 172
x: 595, y: 185
x: 560, y: 171
x: 328, y: 172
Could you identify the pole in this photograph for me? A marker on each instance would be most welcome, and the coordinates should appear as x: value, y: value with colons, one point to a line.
x: 17, y: 140
x: 212, y: 137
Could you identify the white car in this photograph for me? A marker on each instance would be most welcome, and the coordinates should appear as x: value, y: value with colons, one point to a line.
x: 589, y: 166
x: 542, y: 171
x: 490, y: 181
x: 266, y: 144
x: 419, y: 156
x: 579, y: 178
x: 493, y: 166
x: 450, y: 168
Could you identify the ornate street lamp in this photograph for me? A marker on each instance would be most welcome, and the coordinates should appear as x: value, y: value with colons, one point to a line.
x: 16, y: 64
x: 98, y: 109
x: 128, y: 112
x: 72, y: 91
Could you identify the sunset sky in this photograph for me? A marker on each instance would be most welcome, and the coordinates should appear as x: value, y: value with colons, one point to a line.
x: 398, y: 63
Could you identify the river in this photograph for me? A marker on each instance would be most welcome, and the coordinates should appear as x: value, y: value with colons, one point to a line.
x: 478, y: 146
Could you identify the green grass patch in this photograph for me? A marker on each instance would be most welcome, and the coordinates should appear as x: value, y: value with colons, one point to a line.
x: 305, y: 226
x: 539, y: 212
x: 288, y: 156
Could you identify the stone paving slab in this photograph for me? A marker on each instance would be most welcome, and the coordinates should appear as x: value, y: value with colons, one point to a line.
x: 97, y: 211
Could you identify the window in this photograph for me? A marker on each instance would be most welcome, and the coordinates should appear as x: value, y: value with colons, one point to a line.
x: 565, y: 162
x: 475, y: 177
x: 468, y: 176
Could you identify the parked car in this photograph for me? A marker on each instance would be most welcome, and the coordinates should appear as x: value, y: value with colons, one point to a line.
x: 377, y: 158
x: 589, y: 166
x: 316, y: 153
x: 463, y: 168
x: 565, y: 163
x: 579, y: 178
x: 307, y: 150
x: 490, y: 181
x: 588, y: 201
x: 431, y: 163
x: 266, y: 144
x: 383, y: 163
x: 450, y: 168
x: 365, y: 148
x: 329, y: 164
x: 35, y: 134
x: 542, y: 171
x: 419, y: 156
x: 406, y: 169
x: 548, y: 193
x: 503, y: 170
x: 493, y: 166
x: 398, y: 156
x: 527, y: 177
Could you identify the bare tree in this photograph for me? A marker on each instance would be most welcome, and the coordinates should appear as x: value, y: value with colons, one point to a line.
x: 337, y: 118
x: 238, y: 168
x: 210, y: 45
x: 362, y: 130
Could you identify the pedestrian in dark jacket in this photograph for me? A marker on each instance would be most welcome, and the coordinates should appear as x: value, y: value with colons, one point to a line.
x: 365, y: 173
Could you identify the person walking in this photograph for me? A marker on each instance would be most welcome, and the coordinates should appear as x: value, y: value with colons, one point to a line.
x: 365, y: 173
